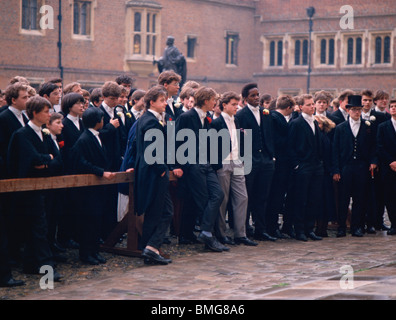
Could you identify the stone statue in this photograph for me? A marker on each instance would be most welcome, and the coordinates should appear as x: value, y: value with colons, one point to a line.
x: 173, y: 59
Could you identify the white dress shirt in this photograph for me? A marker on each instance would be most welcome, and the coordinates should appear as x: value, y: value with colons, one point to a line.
x: 287, y: 118
x: 96, y: 134
x: 256, y: 112
x: 136, y: 113
x: 230, y: 122
x: 310, y: 120
x: 18, y: 114
x: 201, y: 114
x: 355, y: 126
x: 75, y: 120
x: 344, y: 113
x: 110, y: 111
x: 159, y: 116
x: 394, y: 123
x: 379, y: 110
x: 36, y: 129
x: 366, y: 116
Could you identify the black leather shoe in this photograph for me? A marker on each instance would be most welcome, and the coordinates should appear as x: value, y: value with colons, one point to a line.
x: 246, y: 241
x: 301, y: 237
x: 226, y: 240
x: 99, y: 257
x: 57, y: 276
x: 11, y: 282
x: 290, y: 233
x: 371, y: 230
x: 264, y: 237
x: 185, y: 240
x: 56, y: 247
x: 154, y: 257
x: 279, y: 235
x: 357, y: 233
x: 89, y: 260
x: 314, y: 237
x: 210, y: 242
x: 391, y: 232
x: 384, y: 228
x: 341, y: 234
x: 222, y: 246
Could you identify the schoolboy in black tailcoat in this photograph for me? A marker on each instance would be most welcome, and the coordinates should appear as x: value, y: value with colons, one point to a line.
x: 30, y: 155
x: 152, y: 197
x: 353, y: 156
x: 258, y: 181
x: 89, y: 156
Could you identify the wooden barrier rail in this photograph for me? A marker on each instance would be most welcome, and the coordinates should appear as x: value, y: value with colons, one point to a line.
x: 130, y: 224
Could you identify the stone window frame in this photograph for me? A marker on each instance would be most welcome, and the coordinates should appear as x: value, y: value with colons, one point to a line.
x: 90, y: 34
x: 373, y: 48
x: 344, y: 49
x: 317, y: 48
x: 187, y: 38
x: 266, y: 40
x: 35, y: 32
x: 148, y: 33
x: 232, y: 48
x: 293, y: 40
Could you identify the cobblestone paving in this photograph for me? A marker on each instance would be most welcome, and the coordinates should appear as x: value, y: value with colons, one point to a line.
x: 285, y: 269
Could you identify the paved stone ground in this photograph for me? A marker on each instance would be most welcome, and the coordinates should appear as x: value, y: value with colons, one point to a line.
x: 284, y: 270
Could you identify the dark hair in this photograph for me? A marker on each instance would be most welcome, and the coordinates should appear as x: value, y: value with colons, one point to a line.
x: 247, y: 88
x: 124, y: 79
x: 12, y: 91
x: 381, y: 94
x: 186, y: 93
x: 91, y: 117
x: 323, y: 95
x: 304, y: 97
x: 55, y: 116
x: 227, y: 97
x: 69, y: 100
x: 36, y: 104
x: 345, y: 94
x: 138, y: 94
x: 47, y: 88
x: 96, y: 94
x: 168, y: 77
x: 111, y: 89
x: 367, y: 93
x: 203, y: 94
x: 55, y: 80
x: 70, y: 86
x: 153, y: 94
x: 265, y: 97
x: 285, y: 101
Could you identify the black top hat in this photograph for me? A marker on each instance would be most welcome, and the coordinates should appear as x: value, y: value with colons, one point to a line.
x: 354, y: 101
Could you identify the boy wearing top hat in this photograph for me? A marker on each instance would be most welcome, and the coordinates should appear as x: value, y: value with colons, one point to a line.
x: 353, y: 156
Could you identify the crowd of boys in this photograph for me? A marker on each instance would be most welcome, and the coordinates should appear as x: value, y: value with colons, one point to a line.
x: 278, y: 168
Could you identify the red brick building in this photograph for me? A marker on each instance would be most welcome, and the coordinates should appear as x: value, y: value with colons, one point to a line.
x: 227, y: 42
